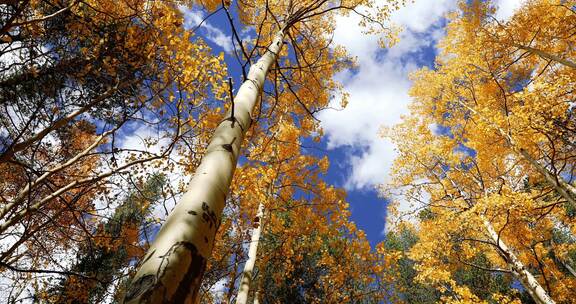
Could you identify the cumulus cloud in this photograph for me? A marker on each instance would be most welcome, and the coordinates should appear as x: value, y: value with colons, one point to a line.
x: 379, y: 89
x: 193, y: 18
x: 506, y: 8
x: 138, y: 138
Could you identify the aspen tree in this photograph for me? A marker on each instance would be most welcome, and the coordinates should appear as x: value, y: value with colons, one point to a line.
x: 538, y: 294
x: 492, y: 121
x: 488, y: 152
x: 247, y: 273
x: 73, y: 75
x: 173, y: 267
x: 257, y: 297
x: 453, y: 201
x: 184, y: 242
x: 564, y: 189
x: 538, y: 28
x: 548, y: 56
x: 519, y: 270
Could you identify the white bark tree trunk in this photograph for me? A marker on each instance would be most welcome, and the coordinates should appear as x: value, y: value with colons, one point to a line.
x: 565, y: 190
x: 568, y: 267
x: 257, y: 297
x: 244, y: 288
x: 548, y: 56
x: 561, y: 187
x: 172, y: 269
x: 529, y: 282
x: 564, y: 260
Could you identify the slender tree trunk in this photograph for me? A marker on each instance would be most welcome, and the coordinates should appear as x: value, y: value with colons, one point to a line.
x: 244, y: 288
x: 172, y: 269
x: 529, y: 282
x: 561, y: 187
x: 568, y: 267
x: 565, y: 190
x: 548, y: 56
x: 257, y: 297
x: 566, y: 260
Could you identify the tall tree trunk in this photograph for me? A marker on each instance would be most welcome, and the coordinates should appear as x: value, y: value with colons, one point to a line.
x: 172, y: 269
x: 244, y: 288
x: 561, y: 187
x: 536, y: 291
x: 567, y: 266
x: 546, y: 55
x: 257, y: 297
x: 564, y: 260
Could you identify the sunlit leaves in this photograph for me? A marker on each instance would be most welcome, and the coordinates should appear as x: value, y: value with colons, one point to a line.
x: 481, y: 119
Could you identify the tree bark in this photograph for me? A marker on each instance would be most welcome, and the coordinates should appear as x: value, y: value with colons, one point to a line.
x: 172, y: 269
x: 244, y: 288
x: 529, y: 282
x: 559, y: 258
x: 561, y: 187
x: 257, y: 297
x: 548, y: 56
x: 568, y: 267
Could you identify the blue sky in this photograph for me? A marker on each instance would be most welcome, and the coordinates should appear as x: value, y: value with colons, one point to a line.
x: 360, y: 158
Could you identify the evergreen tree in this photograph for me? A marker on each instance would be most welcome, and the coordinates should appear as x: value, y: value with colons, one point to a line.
x: 117, y: 243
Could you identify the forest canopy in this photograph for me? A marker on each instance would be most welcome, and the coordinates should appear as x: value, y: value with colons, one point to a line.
x: 188, y: 151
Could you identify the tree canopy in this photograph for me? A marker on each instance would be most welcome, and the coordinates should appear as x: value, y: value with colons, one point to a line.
x: 140, y: 164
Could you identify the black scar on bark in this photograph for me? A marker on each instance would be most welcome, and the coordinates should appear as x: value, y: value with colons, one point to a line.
x: 187, y: 288
x: 143, y: 284
x: 190, y: 283
x: 228, y: 147
x: 139, y: 287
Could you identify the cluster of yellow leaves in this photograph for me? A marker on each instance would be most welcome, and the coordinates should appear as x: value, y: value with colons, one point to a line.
x: 142, y: 45
x: 305, y: 217
x: 479, y: 119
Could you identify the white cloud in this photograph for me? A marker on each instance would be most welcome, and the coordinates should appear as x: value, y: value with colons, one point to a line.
x: 153, y: 141
x: 379, y: 90
x: 193, y: 17
x: 140, y: 138
x: 219, y: 289
x: 421, y: 15
x: 506, y: 8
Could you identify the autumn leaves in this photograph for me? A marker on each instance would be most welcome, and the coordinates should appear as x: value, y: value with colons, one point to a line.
x: 494, y: 182
x: 93, y: 75
x: 487, y: 157
x: 76, y: 78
